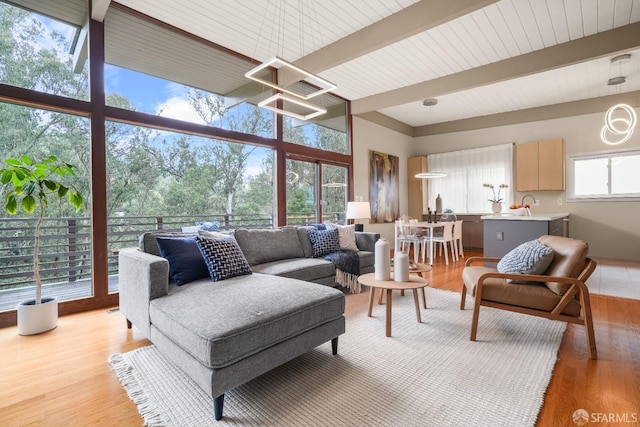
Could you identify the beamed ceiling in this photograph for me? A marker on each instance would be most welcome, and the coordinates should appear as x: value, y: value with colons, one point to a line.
x: 487, y: 62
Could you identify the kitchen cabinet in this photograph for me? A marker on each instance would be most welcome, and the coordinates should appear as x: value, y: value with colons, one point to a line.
x: 472, y: 231
x: 540, y: 165
x: 417, y: 187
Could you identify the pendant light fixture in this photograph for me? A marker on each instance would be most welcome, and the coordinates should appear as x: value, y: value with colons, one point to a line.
x: 620, y: 120
x: 294, y: 84
x: 430, y: 102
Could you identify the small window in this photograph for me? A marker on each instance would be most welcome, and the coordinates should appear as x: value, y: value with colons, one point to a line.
x: 605, y: 176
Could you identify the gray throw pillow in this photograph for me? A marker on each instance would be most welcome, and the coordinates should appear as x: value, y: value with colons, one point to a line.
x: 529, y: 258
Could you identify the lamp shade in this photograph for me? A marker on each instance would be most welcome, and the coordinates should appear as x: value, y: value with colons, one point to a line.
x: 358, y: 210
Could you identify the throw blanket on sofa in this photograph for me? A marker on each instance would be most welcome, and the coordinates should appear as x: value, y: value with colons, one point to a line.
x: 347, y: 264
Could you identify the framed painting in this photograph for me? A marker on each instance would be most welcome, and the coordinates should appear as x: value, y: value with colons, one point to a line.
x: 384, y: 183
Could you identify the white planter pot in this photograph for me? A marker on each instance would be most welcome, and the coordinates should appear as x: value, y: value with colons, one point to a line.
x: 37, y: 318
x: 496, y: 207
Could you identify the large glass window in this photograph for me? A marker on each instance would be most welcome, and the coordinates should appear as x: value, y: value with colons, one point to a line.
x: 334, y: 193
x: 327, y: 132
x: 36, y: 52
x: 610, y: 176
x: 136, y: 91
x: 302, y: 180
x: 65, y: 244
x: 167, y: 180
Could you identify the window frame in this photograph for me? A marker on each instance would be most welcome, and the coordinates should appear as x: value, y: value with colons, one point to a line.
x: 605, y: 154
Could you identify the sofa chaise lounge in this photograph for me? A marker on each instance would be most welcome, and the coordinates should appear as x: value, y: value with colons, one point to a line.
x: 225, y: 333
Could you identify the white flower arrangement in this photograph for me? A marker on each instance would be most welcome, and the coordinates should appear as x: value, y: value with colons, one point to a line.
x: 496, y: 198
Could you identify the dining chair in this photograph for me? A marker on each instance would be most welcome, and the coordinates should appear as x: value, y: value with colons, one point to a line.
x: 457, y: 239
x: 406, y: 235
x: 446, y: 238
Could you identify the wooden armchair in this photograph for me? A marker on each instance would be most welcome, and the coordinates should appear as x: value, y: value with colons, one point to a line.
x: 558, y: 294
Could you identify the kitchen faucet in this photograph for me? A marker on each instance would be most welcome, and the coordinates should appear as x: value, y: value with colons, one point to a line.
x: 522, y: 202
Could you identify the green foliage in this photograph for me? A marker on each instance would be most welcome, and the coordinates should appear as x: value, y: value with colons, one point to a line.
x: 32, y: 183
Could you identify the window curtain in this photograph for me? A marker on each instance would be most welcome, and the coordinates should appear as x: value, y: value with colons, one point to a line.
x: 462, y: 189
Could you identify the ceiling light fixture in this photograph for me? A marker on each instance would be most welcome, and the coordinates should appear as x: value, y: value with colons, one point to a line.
x: 429, y: 175
x: 282, y: 65
x: 620, y: 120
x: 294, y: 84
x: 430, y: 102
x: 271, y: 104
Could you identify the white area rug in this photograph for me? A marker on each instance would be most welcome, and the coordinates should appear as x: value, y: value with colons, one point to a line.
x: 426, y: 374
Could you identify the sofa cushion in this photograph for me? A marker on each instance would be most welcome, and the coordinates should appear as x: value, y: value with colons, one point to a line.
x: 530, y: 295
x: 528, y: 258
x: 229, y: 320
x: 324, y: 241
x: 186, y: 263
x: 305, y: 242
x: 269, y: 244
x: 569, y: 257
x: 309, y: 269
x: 346, y: 235
x: 367, y: 259
x: 147, y: 241
x: 223, y: 257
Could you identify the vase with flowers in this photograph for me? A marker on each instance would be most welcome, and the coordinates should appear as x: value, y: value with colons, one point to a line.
x: 496, y: 201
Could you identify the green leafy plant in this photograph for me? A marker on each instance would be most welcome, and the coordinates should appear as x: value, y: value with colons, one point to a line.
x: 29, y: 185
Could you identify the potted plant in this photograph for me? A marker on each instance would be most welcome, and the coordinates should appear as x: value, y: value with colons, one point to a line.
x: 29, y: 185
x: 496, y: 202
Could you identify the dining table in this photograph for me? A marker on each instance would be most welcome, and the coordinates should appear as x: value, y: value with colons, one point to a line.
x: 429, y: 228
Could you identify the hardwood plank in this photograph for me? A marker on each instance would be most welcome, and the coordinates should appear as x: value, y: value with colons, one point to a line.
x: 62, y: 378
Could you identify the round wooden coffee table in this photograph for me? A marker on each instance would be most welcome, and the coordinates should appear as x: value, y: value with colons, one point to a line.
x: 414, y: 283
x: 418, y: 269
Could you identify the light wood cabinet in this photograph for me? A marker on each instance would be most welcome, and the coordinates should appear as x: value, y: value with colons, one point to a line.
x: 540, y: 165
x: 417, y: 189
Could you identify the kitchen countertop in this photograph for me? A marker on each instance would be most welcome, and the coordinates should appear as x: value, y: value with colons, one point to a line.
x: 534, y: 217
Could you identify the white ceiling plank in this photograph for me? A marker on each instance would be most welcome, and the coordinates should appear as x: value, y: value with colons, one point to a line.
x: 510, y: 15
x: 529, y: 24
x: 574, y: 13
x: 605, y: 16
x: 622, y: 13
x: 495, y: 17
x: 488, y: 30
x: 543, y: 20
x: 399, y: 26
x: 559, y: 20
x: 535, y: 62
x: 589, y: 13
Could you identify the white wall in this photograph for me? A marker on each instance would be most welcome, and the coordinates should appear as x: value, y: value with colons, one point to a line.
x: 612, y: 229
x: 369, y: 136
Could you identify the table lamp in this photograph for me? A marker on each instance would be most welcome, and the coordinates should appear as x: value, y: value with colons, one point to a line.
x: 358, y: 210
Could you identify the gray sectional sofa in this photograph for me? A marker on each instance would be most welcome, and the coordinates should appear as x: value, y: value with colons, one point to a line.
x: 225, y: 333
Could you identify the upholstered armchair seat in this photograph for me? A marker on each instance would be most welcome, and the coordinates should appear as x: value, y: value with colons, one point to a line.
x: 560, y: 293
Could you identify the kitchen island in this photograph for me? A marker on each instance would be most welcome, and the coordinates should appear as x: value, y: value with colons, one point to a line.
x: 503, y: 232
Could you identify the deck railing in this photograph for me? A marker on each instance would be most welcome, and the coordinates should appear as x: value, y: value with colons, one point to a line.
x: 65, y: 248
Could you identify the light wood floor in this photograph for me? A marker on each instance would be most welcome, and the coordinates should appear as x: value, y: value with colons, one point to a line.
x: 62, y: 378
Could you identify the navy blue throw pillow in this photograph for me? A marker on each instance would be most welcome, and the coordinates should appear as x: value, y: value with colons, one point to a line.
x: 186, y: 263
x: 324, y: 241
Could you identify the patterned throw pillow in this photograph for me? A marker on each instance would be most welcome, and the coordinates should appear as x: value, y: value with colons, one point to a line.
x: 223, y: 257
x: 529, y: 258
x: 324, y: 241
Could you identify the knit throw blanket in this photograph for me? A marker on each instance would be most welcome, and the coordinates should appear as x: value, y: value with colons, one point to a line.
x: 347, y: 264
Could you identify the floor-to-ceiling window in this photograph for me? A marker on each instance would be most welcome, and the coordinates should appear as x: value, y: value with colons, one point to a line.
x: 183, y: 138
